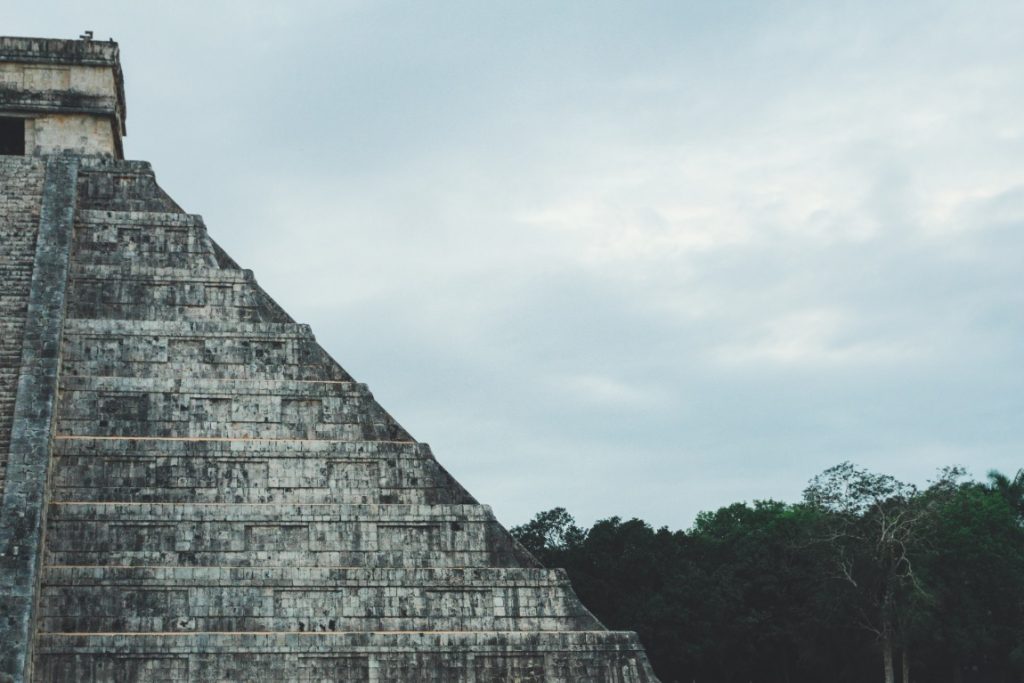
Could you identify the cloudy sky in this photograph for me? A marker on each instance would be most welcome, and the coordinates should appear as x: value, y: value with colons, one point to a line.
x: 630, y: 258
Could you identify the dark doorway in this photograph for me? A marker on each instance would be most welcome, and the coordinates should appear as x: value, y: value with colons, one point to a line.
x: 12, y: 136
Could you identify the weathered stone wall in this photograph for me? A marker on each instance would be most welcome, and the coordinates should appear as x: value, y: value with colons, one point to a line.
x: 423, y: 657
x: 128, y: 348
x: 303, y: 599
x: 78, y: 133
x: 224, y: 408
x: 251, y: 471
x: 21, y: 189
x: 116, y: 185
x: 57, y: 80
x: 90, y: 91
x: 278, y: 534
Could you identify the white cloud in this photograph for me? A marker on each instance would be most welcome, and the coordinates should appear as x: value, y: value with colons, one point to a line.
x: 817, y: 337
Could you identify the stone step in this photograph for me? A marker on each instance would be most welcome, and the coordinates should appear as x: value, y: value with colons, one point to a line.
x: 250, y: 471
x: 159, y: 239
x: 281, y: 409
x: 142, y: 273
x: 103, y: 327
x: 120, y: 185
x: 202, y: 350
x: 425, y: 656
x: 279, y: 535
x: 135, y: 292
x: 90, y: 218
x: 105, y: 599
x: 177, y: 385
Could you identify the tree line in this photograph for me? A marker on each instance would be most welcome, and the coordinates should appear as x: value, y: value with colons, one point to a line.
x: 866, y: 579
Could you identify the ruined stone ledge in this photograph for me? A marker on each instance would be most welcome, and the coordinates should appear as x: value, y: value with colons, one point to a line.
x: 135, y: 291
x: 126, y: 446
x: 241, y: 408
x: 57, y: 102
x: 437, y: 577
x: 98, y: 438
x: 186, y: 329
x: 359, y: 428
x: 216, y: 387
x: 23, y: 171
x: 150, y: 244
x: 272, y: 351
x: 382, y: 514
x: 93, y: 219
x: 211, y: 471
x: 399, y: 466
x: 246, y: 534
x: 300, y: 598
x: 377, y: 642
x: 424, y: 657
x: 359, y: 493
x: 121, y: 167
x: 121, y: 185
x: 164, y: 239
x: 409, y: 558
x: 212, y: 369
x: 307, y: 620
x: 59, y: 51
x: 130, y: 271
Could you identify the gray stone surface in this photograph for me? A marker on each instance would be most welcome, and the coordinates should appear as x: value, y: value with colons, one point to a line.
x: 422, y: 657
x: 250, y: 471
x: 21, y: 192
x: 23, y: 510
x: 104, y: 599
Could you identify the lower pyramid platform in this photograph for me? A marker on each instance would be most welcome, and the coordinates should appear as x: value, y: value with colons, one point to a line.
x: 423, y: 657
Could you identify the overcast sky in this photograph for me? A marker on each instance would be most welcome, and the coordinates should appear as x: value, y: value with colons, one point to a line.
x: 631, y: 258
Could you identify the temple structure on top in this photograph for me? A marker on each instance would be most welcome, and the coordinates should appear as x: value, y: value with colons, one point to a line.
x: 61, y: 96
x: 192, y: 488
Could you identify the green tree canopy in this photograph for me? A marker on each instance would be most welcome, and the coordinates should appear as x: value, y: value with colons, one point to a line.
x: 774, y: 592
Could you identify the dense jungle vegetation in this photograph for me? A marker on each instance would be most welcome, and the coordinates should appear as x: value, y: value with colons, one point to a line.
x: 865, y: 579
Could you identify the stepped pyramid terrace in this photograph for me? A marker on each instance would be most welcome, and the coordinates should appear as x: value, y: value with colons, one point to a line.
x: 193, y: 489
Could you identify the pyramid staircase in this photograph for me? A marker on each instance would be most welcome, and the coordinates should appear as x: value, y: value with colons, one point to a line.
x: 225, y: 503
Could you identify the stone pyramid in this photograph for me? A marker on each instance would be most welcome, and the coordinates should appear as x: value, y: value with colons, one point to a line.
x: 193, y: 489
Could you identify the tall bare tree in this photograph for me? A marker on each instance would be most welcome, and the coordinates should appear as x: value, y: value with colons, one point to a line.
x: 872, y: 526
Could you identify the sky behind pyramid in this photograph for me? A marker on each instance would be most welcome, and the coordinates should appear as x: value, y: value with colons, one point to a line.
x: 636, y: 259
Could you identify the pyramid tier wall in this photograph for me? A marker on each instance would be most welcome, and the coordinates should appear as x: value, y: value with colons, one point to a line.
x: 481, y: 657
x: 254, y: 409
x: 278, y: 535
x: 104, y: 599
x: 212, y: 350
x: 177, y: 240
x: 250, y: 471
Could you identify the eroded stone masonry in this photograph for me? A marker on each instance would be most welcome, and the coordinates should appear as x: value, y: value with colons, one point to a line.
x: 193, y: 490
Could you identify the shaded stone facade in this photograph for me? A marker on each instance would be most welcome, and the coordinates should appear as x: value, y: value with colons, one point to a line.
x: 196, y: 490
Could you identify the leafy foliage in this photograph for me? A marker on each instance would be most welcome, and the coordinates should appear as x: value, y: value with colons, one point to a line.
x: 773, y: 592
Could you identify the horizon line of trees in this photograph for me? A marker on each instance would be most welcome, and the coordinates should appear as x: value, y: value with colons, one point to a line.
x: 866, y: 579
